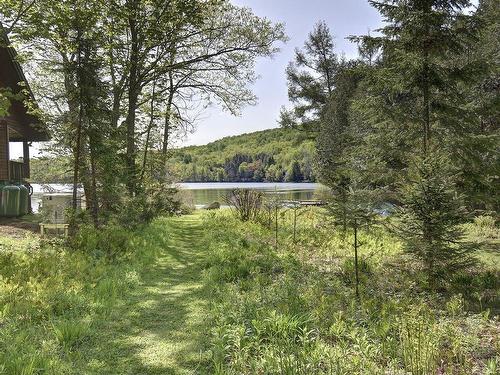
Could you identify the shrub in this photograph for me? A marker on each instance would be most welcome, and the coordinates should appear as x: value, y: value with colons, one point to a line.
x: 245, y: 203
x: 156, y: 200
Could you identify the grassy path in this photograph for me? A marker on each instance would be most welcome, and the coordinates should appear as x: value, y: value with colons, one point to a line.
x: 158, y: 327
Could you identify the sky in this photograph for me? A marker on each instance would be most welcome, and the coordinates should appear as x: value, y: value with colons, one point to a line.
x: 344, y: 17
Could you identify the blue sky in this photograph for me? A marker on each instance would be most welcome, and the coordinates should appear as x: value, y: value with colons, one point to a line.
x: 345, y: 17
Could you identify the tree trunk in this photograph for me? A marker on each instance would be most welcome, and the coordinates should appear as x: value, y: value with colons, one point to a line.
x: 77, y: 161
x: 168, y: 117
x: 79, y: 123
x: 148, y: 132
x: 93, y: 173
x: 425, y: 82
x: 133, y: 95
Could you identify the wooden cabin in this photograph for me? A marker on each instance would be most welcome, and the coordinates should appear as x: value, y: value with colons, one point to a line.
x: 18, y: 125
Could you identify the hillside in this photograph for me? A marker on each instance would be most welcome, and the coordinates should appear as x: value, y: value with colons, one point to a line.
x: 270, y: 155
x: 276, y: 155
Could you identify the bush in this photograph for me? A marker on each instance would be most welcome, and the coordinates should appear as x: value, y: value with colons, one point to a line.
x: 245, y: 203
x: 156, y: 200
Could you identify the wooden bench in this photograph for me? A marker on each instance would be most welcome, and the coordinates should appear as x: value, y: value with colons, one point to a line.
x: 44, y: 226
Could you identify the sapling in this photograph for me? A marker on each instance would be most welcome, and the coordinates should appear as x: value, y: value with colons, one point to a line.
x: 354, y: 209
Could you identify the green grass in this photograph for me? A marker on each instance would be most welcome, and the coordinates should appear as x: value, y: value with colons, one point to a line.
x: 69, y: 312
x: 485, y: 231
x: 156, y: 328
x: 293, y: 310
x: 208, y: 294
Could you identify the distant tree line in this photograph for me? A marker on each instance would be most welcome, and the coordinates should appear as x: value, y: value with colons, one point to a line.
x: 276, y: 155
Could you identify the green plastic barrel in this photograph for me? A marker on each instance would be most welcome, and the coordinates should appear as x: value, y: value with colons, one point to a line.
x: 11, y: 195
x: 24, y: 196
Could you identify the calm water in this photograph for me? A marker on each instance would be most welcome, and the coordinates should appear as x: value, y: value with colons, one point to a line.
x: 206, y: 193
x: 202, y: 193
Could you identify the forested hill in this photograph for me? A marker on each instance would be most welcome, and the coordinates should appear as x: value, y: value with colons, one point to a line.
x: 275, y: 155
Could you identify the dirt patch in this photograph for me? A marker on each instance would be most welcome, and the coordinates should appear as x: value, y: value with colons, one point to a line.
x: 17, y: 228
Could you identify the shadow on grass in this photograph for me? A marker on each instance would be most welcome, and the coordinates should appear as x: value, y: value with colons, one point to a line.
x: 158, y: 328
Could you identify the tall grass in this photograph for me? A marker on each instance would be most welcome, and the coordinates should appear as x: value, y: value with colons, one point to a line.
x: 293, y: 310
x: 53, y: 299
x: 70, y: 333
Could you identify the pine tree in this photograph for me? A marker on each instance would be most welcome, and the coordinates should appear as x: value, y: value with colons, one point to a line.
x: 415, y: 98
x: 311, y: 78
x: 419, y: 73
x: 430, y: 216
x: 476, y: 152
x: 335, y: 138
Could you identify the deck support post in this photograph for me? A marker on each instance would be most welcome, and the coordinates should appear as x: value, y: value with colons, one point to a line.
x: 26, y: 171
x: 4, y: 151
x: 26, y: 160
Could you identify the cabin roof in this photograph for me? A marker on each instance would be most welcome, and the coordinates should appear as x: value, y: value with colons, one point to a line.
x: 23, y: 125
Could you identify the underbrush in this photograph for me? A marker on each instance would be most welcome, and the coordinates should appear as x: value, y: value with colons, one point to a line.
x: 292, y: 309
x: 54, y: 298
x: 484, y: 227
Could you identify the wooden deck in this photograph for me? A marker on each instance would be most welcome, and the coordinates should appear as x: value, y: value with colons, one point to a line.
x: 304, y: 203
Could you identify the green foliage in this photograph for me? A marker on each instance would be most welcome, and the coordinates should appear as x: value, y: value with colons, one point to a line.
x: 484, y: 227
x: 419, y: 343
x: 155, y: 200
x: 274, y: 155
x: 311, y: 79
x: 245, y: 203
x: 430, y: 218
x: 106, y: 108
x: 54, y: 299
x: 110, y: 241
x: 50, y: 170
x: 413, y: 94
x: 5, y: 98
x: 70, y: 333
x: 418, y: 92
x: 293, y: 310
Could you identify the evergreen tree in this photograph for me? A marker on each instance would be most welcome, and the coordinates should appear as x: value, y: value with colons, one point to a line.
x: 311, y: 78
x: 336, y: 139
x: 476, y: 151
x: 419, y: 73
x: 430, y: 216
x: 415, y: 98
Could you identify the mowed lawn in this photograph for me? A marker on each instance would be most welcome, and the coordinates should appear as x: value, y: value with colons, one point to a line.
x: 157, y: 326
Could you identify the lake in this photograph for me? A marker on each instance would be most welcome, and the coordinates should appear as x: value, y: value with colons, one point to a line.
x: 203, y: 193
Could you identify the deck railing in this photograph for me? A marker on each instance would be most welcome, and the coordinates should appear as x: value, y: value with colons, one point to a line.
x: 16, y: 171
